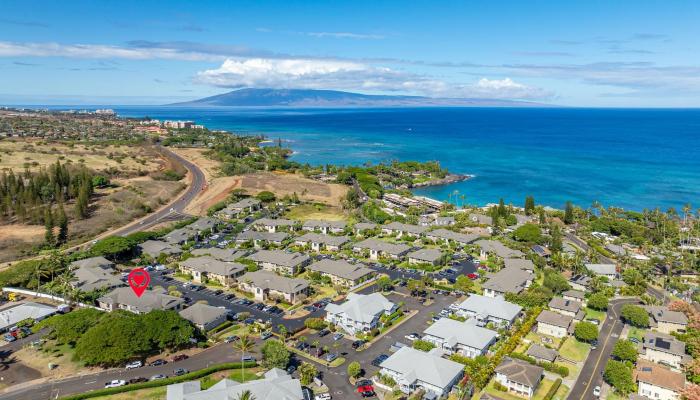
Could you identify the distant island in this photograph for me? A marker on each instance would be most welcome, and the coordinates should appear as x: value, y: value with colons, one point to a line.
x: 334, y: 98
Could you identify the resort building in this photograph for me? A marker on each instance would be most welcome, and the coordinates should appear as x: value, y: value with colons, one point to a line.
x: 497, y: 248
x: 487, y: 310
x: 378, y: 248
x: 266, y: 285
x: 414, y: 369
x: 571, y: 308
x: 324, y: 227
x: 666, y: 321
x: 207, y: 268
x: 280, y: 261
x: 607, y: 270
x: 508, y: 280
x: 554, y: 324
x: 341, y: 272
x: 426, y: 256
x: 361, y: 228
x: 276, y: 385
x: 447, y: 236
x: 228, y: 255
x: 318, y: 241
x: 465, y: 338
x: 241, y: 207
x: 658, y: 382
x: 663, y: 349
x: 519, y: 376
x: 204, y: 316
x: 273, y: 225
x: 399, y: 229
x: 96, y: 273
x: 154, y: 248
x: 359, y: 313
x: 123, y: 299
x: 261, y: 238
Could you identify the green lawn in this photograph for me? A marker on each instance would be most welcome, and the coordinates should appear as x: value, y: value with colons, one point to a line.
x: 595, y: 314
x: 574, y: 350
x: 305, y: 212
x: 637, y: 333
x: 542, y: 390
x: 504, y: 395
x: 157, y: 393
x: 561, y: 393
x: 537, y: 338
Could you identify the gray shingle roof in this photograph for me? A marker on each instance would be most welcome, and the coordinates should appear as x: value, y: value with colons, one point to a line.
x: 275, y: 237
x: 100, y: 262
x: 663, y: 314
x: 211, y: 265
x: 458, y: 237
x: 318, y: 224
x: 280, y: 257
x: 270, y: 280
x: 561, y: 303
x: 324, y: 239
x: 386, y: 247
x: 663, y: 343
x: 498, y: 248
x: 426, y: 255
x: 521, y: 263
x: 89, y: 278
x: 277, y: 385
x: 602, y: 269
x: 220, y: 254
x: 154, y: 248
x: 520, y: 371
x: 555, y: 319
x: 364, y: 226
x: 149, y: 300
x: 508, y: 280
x: 576, y: 294
x: 407, y: 228
x: 273, y: 222
x: 542, y: 353
x: 341, y: 268
x: 202, y: 314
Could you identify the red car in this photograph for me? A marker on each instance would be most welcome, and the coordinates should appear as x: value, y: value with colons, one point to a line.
x: 365, y: 388
x: 180, y: 357
x: 472, y: 276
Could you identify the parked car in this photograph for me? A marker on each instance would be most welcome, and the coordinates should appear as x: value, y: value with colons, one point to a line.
x: 596, y: 391
x: 158, y: 362
x: 323, y: 332
x: 157, y: 377
x: 265, y: 335
x: 338, y: 336
x: 247, y: 358
x: 380, y: 359
x: 180, y: 371
x: 134, y: 365
x: 412, y: 336
x: 302, y: 346
x: 633, y: 340
x: 357, y: 344
x: 323, y: 396
x: 115, y: 383
x: 331, y: 356
x: 137, y: 380
x: 472, y: 276
x: 218, y: 292
x: 9, y: 338
x: 231, y: 339
x: 180, y: 357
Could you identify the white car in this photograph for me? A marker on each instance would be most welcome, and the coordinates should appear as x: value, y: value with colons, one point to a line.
x: 134, y: 365
x: 323, y: 396
x: 115, y: 383
x: 412, y: 337
x: 596, y: 391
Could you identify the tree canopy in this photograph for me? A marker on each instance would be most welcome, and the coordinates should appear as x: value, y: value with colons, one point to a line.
x: 635, y: 315
x: 586, y: 332
x: 275, y: 354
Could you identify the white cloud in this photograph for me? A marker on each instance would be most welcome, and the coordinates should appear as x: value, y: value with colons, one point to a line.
x: 98, y: 51
x: 346, y: 75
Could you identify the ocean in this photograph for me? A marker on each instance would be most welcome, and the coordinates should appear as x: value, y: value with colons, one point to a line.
x: 629, y: 158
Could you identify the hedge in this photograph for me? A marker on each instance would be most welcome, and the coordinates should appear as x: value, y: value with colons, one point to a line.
x: 221, y: 327
x: 161, y: 382
x: 553, y: 390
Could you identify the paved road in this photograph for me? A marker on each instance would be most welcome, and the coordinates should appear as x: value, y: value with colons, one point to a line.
x: 197, y: 185
x: 50, y: 390
x: 585, y: 247
x: 592, y: 371
x: 659, y: 294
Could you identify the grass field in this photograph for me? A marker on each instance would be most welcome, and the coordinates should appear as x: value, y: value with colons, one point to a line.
x: 574, y: 350
x: 637, y: 333
x: 305, y: 212
x: 143, y: 394
x: 595, y: 314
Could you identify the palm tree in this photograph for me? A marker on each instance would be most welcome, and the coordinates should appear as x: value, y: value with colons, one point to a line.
x: 244, y: 344
x: 245, y: 395
x: 283, y: 332
x: 317, y: 344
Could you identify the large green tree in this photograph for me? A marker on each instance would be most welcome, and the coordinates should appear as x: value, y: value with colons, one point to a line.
x: 117, y: 339
x: 598, y: 301
x: 586, y: 331
x: 625, y: 350
x: 635, y: 315
x: 528, y: 233
x: 275, y: 354
x: 619, y: 376
x: 68, y: 328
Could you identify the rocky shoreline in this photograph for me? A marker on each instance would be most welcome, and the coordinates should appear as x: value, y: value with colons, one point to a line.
x: 451, y: 178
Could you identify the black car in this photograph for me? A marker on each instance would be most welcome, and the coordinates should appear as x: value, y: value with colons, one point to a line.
x: 137, y: 380
x: 158, y: 362
x: 229, y: 296
x: 218, y: 292
x: 357, y: 344
x: 323, y: 332
x: 302, y: 346
x: 380, y: 359
x: 180, y: 371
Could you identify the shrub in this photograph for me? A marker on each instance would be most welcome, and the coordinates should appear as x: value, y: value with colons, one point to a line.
x: 553, y: 390
x: 499, y: 386
x: 635, y: 315
x: 315, y: 323
x: 598, y: 301
x: 423, y: 345
x: 585, y: 332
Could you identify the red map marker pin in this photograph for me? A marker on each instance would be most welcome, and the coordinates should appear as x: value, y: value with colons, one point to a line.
x: 139, y: 280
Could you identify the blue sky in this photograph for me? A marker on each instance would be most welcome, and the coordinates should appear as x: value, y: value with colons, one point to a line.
x: 586, y: 53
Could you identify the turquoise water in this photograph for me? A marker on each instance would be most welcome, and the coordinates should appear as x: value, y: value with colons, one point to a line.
x: 628, y: 158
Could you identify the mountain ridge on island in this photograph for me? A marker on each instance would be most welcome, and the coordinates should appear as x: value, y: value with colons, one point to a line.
x: 251, y: 97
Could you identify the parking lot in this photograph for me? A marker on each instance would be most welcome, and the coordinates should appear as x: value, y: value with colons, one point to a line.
x: 163, y: 278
